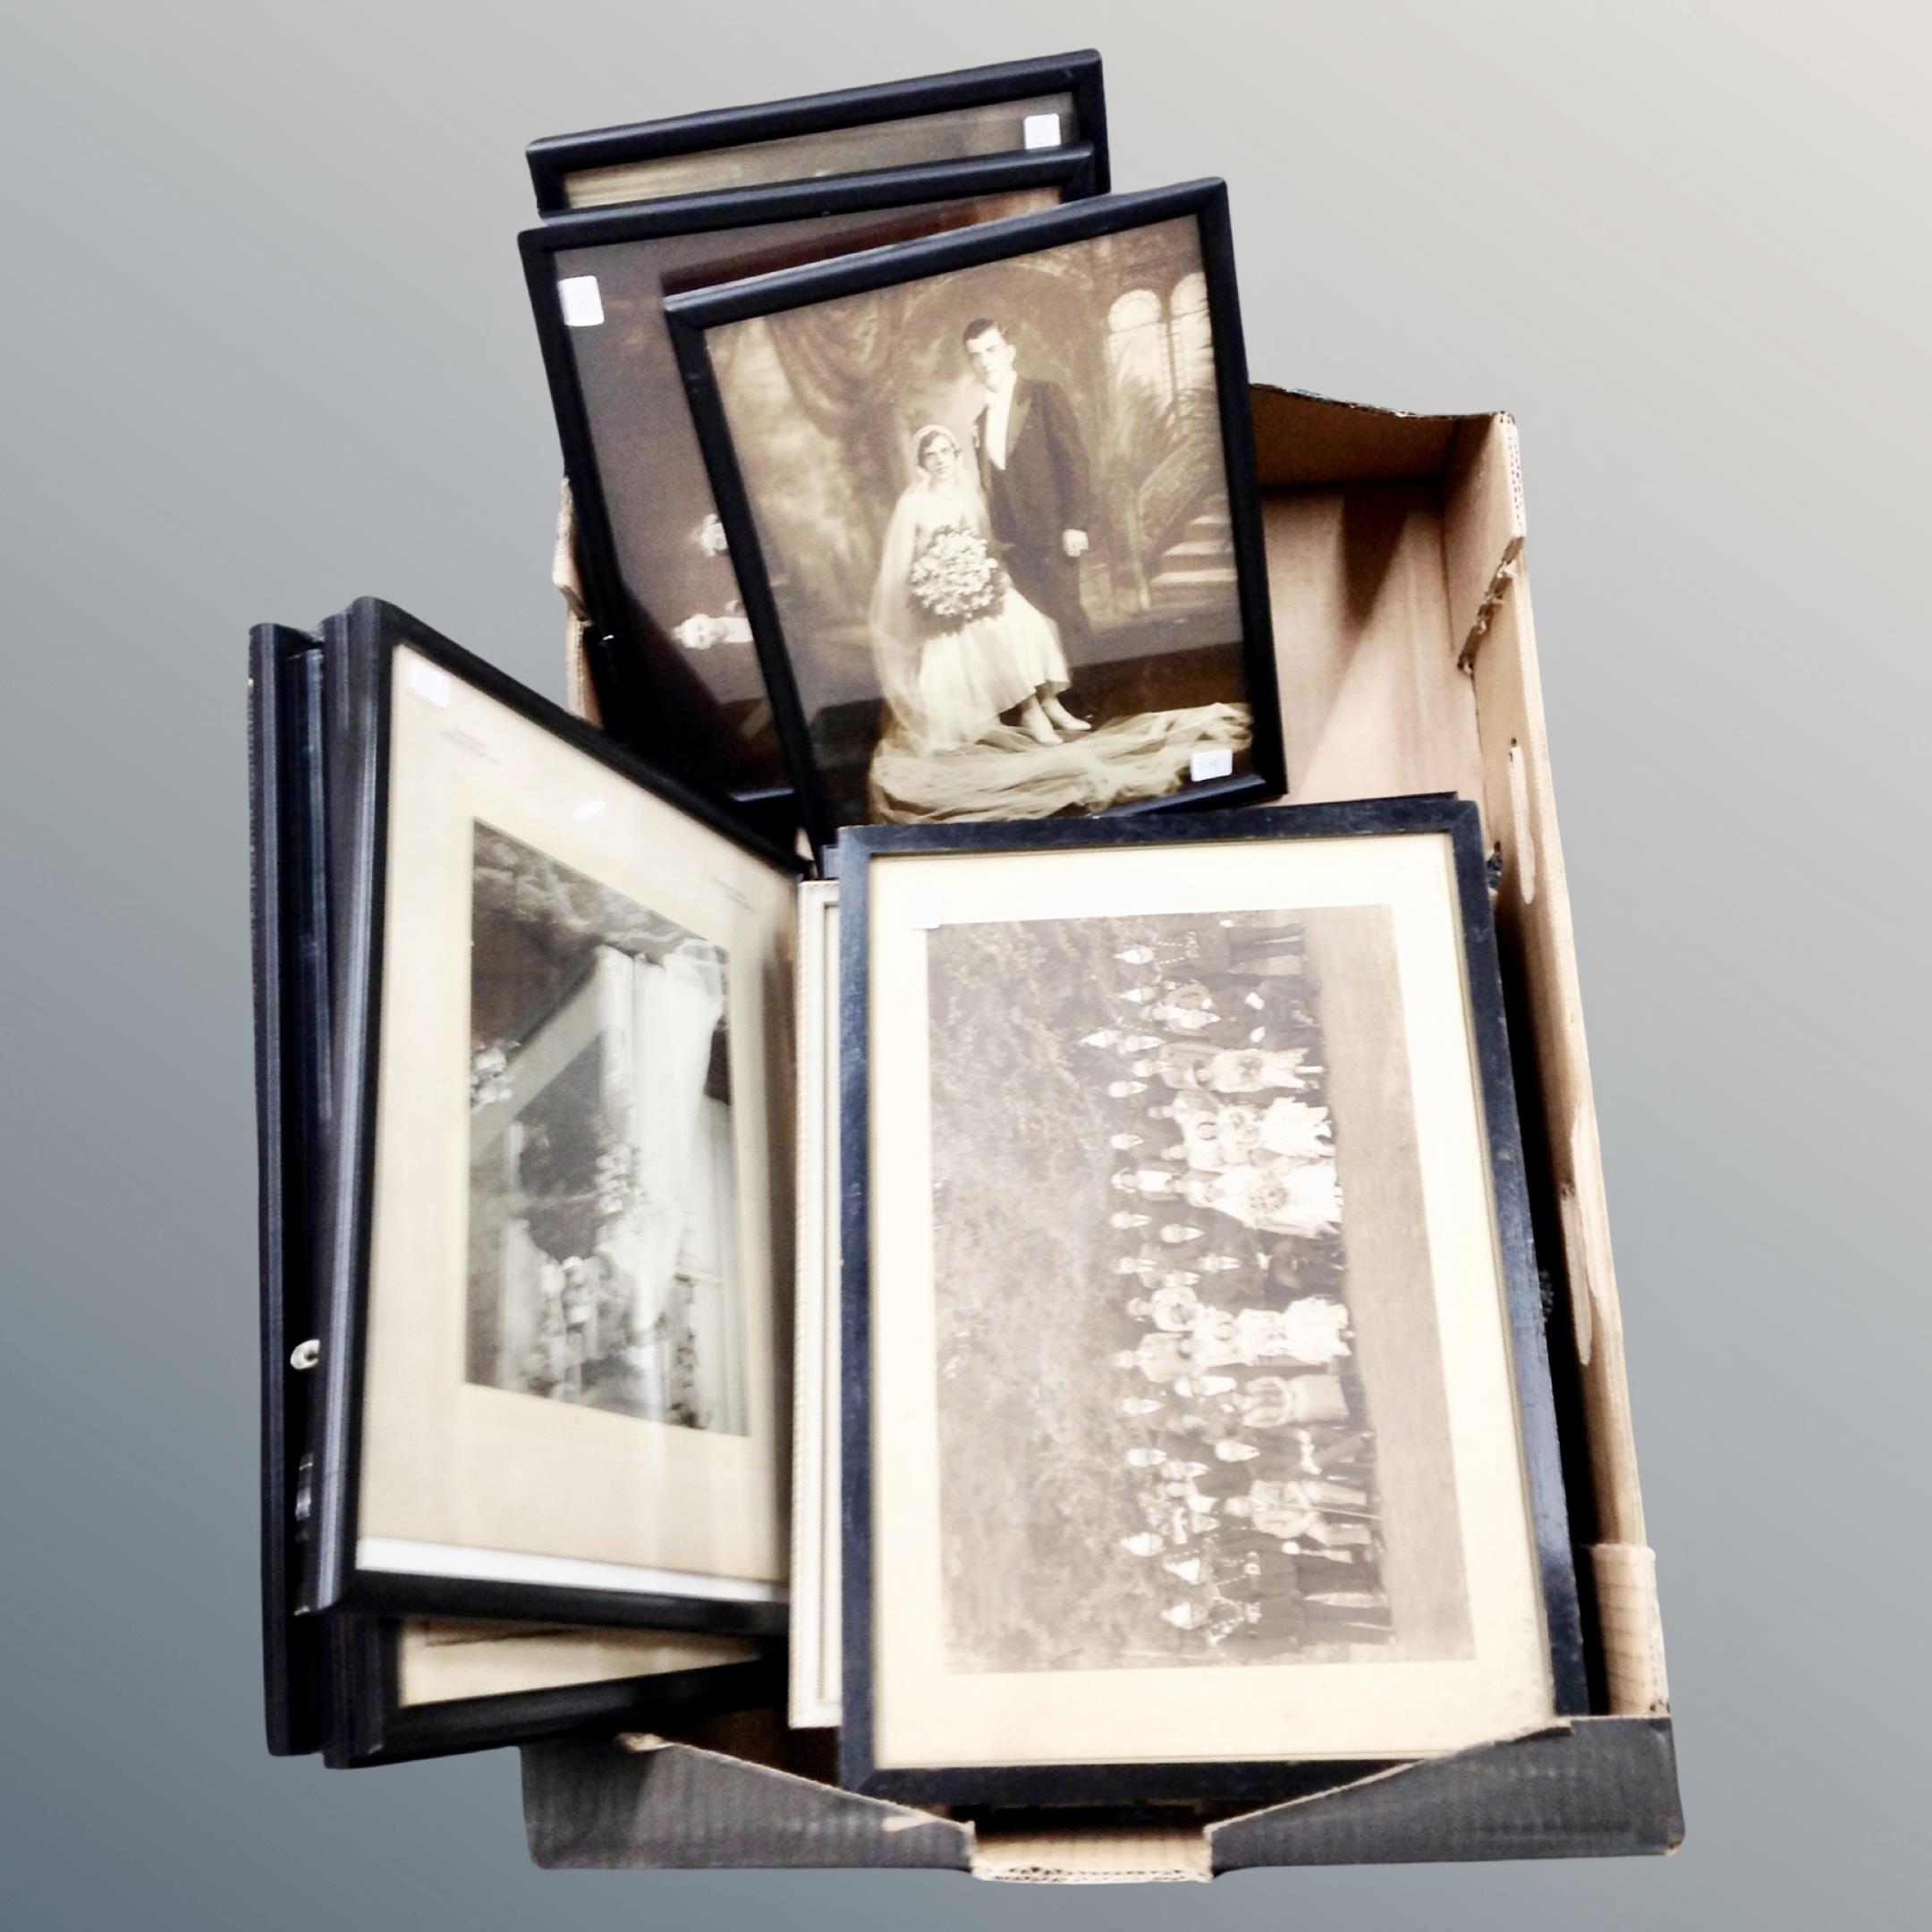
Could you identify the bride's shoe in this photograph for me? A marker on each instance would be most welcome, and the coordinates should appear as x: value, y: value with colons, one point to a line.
x: 1064, y: 718
x: 1033, y: 722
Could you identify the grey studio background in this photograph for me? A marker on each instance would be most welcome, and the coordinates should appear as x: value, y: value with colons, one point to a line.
x: 268, y: 348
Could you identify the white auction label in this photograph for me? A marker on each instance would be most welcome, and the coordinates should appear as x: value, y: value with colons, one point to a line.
x: 429, y: 680
x: 1217, y: 763
x: 1041, y: 131
x: 583, y: 304
x: 922, y: 910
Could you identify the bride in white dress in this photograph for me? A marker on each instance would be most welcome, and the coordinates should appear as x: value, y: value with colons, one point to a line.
x: 948, y: 685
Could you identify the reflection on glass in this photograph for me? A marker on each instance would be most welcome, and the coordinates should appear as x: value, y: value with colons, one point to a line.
x: 676, y: 585
x: 960, y: 135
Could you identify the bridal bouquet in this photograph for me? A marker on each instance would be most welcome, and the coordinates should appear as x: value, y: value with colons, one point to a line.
x: 956, y: 579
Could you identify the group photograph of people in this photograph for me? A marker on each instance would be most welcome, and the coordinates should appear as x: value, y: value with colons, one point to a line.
x: 1182, y: 1392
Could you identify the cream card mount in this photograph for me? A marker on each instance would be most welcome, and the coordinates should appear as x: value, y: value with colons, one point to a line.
x: 1009, y: 108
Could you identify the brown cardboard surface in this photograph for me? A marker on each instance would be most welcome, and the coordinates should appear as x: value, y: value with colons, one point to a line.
x: 1483, y: 525
x: 1633, y: 1632
x: 1533, y: 923
x: 1396, y: 560
x: 1372, y: 703
x: 1303, y: 439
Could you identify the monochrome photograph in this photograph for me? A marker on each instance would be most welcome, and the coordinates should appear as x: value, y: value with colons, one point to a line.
x: 991, y: 509
x: 1193, y: 1433
x: 687, y: 686
x: 602, y: 1199
x: 1217, y: 1443
x: 562, y: 1020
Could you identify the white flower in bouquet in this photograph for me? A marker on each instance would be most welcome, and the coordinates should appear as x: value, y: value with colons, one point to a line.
x: 956, y: 577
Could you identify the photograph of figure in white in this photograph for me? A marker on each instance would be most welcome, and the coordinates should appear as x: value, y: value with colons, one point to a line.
x: 603, y: 1201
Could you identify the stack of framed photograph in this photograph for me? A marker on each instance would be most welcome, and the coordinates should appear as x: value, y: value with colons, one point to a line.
x: 520, y: 1007
x: 860, y: 1041
x: 633, y: 214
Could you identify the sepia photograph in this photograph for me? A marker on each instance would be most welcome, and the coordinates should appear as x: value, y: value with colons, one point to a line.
x: 1199, y: 1427
x: 1012, y: 107
x: 1223, y: 1445
x: 991, y: 505
x: 603, y: 1198
x: 679, y: 678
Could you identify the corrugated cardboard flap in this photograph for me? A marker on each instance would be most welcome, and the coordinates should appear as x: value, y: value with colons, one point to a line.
x: 589, y: 1804
x: 1595, y: 1787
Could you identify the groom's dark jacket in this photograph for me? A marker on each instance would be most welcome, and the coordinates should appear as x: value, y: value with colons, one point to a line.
x: 1046, y: 489
x: 1043, y: 492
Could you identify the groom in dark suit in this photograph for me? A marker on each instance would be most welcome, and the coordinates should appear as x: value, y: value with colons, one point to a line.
x: 1033, y: 471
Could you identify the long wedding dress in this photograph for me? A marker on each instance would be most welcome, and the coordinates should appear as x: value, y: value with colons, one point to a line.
x: 947, y: 687
x: 945, y: 754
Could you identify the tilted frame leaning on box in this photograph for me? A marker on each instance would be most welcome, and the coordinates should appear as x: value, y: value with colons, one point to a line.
x: 1199, y: 1424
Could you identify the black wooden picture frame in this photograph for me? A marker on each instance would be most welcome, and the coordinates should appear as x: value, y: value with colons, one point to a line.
x: 556, y: 158
x: 359, y: 646
x: 331, y: 1681
x: 288, y: 930
x: 648, y: 695
x: 1246, y: 1781
x: 693, y: 315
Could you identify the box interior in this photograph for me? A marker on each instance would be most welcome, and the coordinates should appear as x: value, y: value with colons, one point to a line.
x: 1401, y: 618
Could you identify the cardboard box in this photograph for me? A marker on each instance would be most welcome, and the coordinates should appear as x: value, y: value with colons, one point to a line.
x: 1399, y: 576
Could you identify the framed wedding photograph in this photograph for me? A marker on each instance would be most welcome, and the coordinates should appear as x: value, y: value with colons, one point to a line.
x: 990, y: 500
x: 669, y: 645
x: 1198, y: 1418
x: 1010, y: 108
x: 555, y: 1225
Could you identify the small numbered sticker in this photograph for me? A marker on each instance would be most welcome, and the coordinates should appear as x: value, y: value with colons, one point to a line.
x: 1041, y: 131
x: 583, y: 306
x: 1217, y: 763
